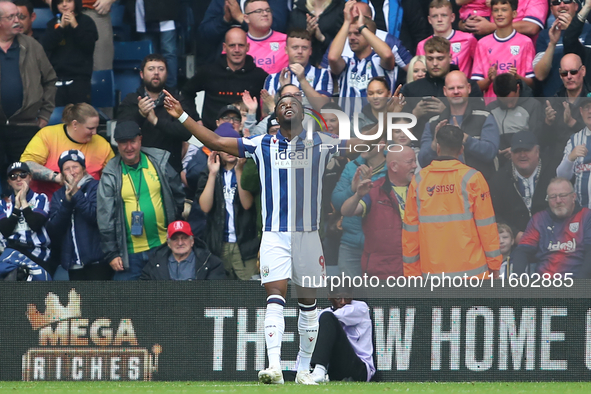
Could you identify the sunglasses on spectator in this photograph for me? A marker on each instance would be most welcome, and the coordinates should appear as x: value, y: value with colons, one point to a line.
x: 557, y: 2
x: 260, y: 11
x: 232, y: 119
x: 564, y: 73
x: 22, y: 175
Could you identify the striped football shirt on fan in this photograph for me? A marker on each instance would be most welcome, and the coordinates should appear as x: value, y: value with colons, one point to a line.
x: 318, y: 78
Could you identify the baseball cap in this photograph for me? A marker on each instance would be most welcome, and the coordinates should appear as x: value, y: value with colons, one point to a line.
x: 125, y: 131
x: 229, y: 108
x: 272, y: 121
x: 523, y: 140
x: 71, y: 155
x: 226, y: 130
x: 17, y: 166
x: 179, y: 226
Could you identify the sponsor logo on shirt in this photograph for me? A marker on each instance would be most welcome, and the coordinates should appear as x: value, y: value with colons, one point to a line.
x: 567, y: 247
x: 583, y: 167
x: 292, y: 159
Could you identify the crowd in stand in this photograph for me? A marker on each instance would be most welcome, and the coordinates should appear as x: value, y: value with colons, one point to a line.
x: 504, y: 79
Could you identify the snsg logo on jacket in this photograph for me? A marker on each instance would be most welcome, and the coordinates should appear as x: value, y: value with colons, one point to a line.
x: 441, y: 189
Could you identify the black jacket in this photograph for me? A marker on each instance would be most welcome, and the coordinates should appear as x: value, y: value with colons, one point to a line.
x: 245, y: 221
x: 222, y: 86
x: 207, y: 265
x: 570, y: 40
x: 329, y: 22
x: 507, y: 202
x: 70, y: 51
x: 155, y: 10
x: 168, y: 134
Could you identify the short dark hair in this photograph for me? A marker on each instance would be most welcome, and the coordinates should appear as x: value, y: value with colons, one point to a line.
x: 332, y: 105
x: 25, y: 3
x: 153, y: 57
x: 450, y: 138
x: 299, y: 33
x: 437, y: 44
x: 77, y: 6
x: 380, y: 79
x: 247, y: 2
x: 440, y: 4
x: 512, y: 3
x: 280, y: 91
x: 505, y: 84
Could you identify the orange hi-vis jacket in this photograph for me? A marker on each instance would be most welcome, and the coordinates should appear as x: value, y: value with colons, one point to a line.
x: 449, y: 223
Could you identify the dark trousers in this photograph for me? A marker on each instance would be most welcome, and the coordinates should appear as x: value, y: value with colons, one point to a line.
x: 100, y: 271
x: 13, y: 141
x: 333, y: 350
x: 74, y: 93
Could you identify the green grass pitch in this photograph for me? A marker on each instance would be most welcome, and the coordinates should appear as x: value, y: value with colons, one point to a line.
x: 292, y: 388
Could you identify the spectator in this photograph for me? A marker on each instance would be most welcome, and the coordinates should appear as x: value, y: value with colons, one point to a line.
x: 404, y: 19
x: 549, y: 49
x: 27, y: 86
x: 505, y: 51
x: 378, y: 95
x: 481, y: 134
x: 321, y: 19
x: 369, y: 165
x: 449, y: 222
x: 529, y: 19
x: 231, y: 217
x: 231, y: 226
x: 139, y: 195
x: 155, y: 20
x: 382, y: 203
x: 424, y: 95
x: 146, y: 107
x: 69, y: 44
x: 473, y: 8
x: 557, y: 239
x: 104, y: 49
x: 518, y: 188
x: 26, y: 17
x: 345, y: 346
x: 222, y: 15
x: 22, y: 219
x: 181, y: 259
x: 417, y: 69
x: 316, y: 83
x: 571, y: 38
x: 77, y: 132
x: 267, y: 47
x: 513, y: 111
x: 73, y: 223
x: 225, y: 80
x: 562, y: 115
x: 576, y: 159
x: 506, y: 242
x: 463, y: 45
x: 373, y: 57
x: 282, y: 258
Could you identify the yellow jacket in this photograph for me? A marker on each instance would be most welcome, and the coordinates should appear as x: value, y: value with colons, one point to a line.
x: 449, y: 223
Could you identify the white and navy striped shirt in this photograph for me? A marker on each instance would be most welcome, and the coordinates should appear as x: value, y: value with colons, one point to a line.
x: 291, y: 177
x: 581, y: 167
x: 319, y: 78
x: 355, y: 77
x: 36, y: 242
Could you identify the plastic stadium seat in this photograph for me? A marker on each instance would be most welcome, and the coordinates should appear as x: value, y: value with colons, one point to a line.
x: 129, y: 54
x: 103, y: 89
x: 56, y: 116
x: 121, y: 30
x: 126, y: 82
x: 44, y: 15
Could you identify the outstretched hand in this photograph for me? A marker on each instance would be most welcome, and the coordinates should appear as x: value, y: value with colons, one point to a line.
x: 172, y: 105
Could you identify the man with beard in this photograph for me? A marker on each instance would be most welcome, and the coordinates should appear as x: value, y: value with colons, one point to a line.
x: 146, y: 108
x: 291, y: 166
x: 557, y: 239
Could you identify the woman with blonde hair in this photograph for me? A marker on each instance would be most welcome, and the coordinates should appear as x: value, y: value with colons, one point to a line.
x: 77, y: 132
x: 417, y: 69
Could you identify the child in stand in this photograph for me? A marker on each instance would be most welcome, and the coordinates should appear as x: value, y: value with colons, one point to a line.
x: 506, y: 242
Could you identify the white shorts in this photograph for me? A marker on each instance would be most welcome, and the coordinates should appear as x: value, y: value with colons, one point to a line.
x: 293, y: 255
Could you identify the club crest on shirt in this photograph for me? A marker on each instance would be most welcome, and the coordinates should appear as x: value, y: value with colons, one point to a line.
x: 514, y: 50
x: 274, y: 46
x: 573, y: 227
x: 456, y: 47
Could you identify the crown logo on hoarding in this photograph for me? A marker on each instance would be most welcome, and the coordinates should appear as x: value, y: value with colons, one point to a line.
x: 54, y: 310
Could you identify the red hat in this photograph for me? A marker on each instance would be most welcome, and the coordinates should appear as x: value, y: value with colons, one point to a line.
x: 179, y: 227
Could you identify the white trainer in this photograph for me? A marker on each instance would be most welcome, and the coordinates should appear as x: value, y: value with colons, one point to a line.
x: 305, y: 377
x: 271, y: 376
